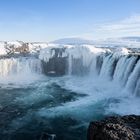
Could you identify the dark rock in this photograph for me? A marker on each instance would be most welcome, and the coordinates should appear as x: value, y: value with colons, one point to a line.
x: 115, y: 128
x: 46, y: 136
x: 57, y: 64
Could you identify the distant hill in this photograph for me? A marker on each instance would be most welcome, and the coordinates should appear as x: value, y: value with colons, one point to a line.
x: 73, y: 41
x: 131, y: 42
x: 132, y: 38
x: 109, y: 42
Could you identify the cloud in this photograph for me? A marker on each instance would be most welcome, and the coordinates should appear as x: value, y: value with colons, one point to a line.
x: 126, y: 27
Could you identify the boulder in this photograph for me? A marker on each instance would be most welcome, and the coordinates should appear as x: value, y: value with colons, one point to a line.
x: 115, y: 128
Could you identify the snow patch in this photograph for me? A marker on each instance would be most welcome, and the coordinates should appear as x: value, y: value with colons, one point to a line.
x: 121, y: 52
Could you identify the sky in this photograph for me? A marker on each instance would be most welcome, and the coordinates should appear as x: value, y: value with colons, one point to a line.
x: 47, y: 20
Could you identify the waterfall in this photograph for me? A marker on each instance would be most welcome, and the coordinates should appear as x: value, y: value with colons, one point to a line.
x: 69, y: 64
x: 120, y: 68
x: 129, y: 68
x: 133, y: 80
x: 108, y: 66
x: 19, y: 66
x: 112, y: 65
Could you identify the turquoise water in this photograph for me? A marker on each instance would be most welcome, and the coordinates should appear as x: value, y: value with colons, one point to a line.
x: 63, y: 106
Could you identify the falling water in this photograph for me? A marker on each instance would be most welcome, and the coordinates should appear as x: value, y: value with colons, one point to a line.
x: 16, y: 66
x: 97, y: 82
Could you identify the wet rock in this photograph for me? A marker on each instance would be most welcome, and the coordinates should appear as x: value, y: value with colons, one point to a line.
x: 1, y: 107
x: 57, y: 64
x: 46, y: 136
x: 115, y: 128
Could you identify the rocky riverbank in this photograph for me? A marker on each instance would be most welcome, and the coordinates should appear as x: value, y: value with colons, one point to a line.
x: 115, y: 128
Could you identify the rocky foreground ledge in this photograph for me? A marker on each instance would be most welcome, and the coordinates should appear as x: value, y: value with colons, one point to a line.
x: 115, y: 128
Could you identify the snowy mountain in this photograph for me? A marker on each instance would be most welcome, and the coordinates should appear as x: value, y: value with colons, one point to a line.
x: 131, y: 42
x: 128, y: 42
x: 132, y: 38
x: 73, y: 41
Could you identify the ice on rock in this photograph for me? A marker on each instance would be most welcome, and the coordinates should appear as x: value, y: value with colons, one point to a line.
x: 19, y: 46
x: 85, y: 52
x: 2, y: 49
x: 121, y: 52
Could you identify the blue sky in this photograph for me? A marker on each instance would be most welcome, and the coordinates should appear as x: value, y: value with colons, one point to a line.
x: 45, y: 20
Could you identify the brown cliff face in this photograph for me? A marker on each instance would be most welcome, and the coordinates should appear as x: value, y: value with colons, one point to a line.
x: 115, y: 128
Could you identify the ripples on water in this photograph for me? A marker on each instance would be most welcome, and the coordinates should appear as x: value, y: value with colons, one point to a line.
x: 33, y: 109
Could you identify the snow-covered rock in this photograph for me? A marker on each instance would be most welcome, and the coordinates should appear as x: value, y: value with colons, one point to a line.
x: 121, y: 52
x: 75, y: 51
x: 2, y: 48
x: 16, y: 44
x: 17, y: 47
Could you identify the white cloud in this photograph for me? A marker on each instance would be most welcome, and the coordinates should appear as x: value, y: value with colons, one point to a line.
x: 126, y: 27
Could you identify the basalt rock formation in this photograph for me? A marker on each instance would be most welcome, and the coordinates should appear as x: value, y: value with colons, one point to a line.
x: 115, y: 128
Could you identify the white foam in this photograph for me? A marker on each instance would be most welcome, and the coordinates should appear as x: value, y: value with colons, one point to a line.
x: 97, y: 87
x: 97, y: 91
x: 126, y: 106
x: 19, y: 71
